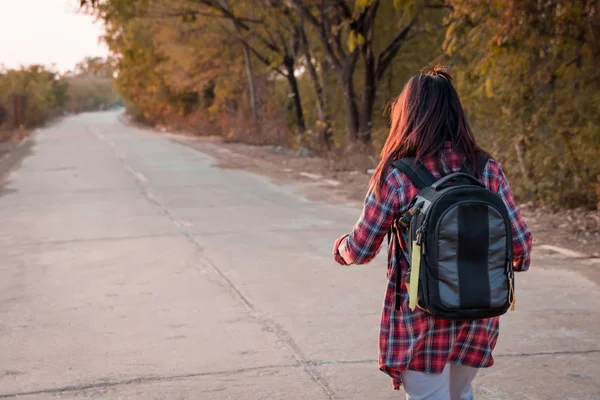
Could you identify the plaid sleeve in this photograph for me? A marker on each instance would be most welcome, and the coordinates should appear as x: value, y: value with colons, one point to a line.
x: 522, y: 240
x: 364, y: 242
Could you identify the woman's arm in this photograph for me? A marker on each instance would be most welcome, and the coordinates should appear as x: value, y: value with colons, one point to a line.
x: 364, y: 242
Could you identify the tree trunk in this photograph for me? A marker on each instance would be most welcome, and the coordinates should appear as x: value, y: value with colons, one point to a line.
x: 251, y: 84
x: 350, y: 109
x: 314, y: 78
x: 345, y: 77
x: 323, y: 123
x: 368, y: 96
x: 247, y: 61
x: 295, y: 92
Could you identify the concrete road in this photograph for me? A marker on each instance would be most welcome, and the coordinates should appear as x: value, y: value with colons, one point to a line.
x: 130, y: 268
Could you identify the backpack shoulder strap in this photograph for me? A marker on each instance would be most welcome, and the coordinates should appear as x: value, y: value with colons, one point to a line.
x: 481, y: 163
x: 416, y: 172
x: 482, y: 160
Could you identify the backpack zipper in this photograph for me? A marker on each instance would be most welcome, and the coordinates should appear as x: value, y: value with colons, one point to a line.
x: 512, y: 298
x: 420, y: 232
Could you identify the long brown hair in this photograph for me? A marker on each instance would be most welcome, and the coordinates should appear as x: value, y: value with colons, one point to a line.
x: 425, y: 116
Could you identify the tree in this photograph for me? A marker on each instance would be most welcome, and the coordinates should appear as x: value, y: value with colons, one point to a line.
x: 274, y: 33
x: 271, y: 35
x: 532, y: 80
x: 32, y: 95
x: 98, y: 67
x: 346, y: 33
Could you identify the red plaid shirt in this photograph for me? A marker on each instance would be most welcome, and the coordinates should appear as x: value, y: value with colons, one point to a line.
x: 415, y: 340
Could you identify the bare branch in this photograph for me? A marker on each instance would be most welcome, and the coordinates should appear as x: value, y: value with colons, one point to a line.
x: 344, y: 8
x: 262, y: 58
x: 306, y: 12
x: 386, y: 56
x: 185, y: 13
x: 223, y: 8
x: 321, y: 28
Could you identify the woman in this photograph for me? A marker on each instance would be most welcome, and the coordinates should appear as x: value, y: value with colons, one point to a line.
x: 434, y: 358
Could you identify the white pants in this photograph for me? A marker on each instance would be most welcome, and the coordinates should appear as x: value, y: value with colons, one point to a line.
x: 454, y: 383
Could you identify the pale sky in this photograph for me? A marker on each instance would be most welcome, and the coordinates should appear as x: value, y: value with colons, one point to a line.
x: 47, y: 32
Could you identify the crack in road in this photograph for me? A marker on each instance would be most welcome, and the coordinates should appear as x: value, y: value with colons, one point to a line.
x: 91, y: 240
x: 267, y: 323
x: 548, y: 353
x: 160, y: 378
x: 300, y: 364
x: 140, y: 380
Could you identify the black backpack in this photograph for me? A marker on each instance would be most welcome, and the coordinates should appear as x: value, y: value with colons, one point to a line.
x: 460, y: 239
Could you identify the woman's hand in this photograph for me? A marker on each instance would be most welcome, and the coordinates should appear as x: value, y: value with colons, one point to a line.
x: 336, y: 252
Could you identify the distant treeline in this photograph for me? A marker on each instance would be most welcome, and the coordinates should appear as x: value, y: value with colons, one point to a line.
x: 30, y: 96
x: 320, y: 73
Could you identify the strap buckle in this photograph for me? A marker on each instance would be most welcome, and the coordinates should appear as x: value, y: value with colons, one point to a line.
x: 405, y: 220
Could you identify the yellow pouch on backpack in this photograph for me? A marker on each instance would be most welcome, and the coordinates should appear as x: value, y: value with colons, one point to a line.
x: 415, y: 267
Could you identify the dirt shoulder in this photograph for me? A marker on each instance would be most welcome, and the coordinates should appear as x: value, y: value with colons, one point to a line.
x: 13, y: 149
x: 8, y: 142
x: 323, y: 180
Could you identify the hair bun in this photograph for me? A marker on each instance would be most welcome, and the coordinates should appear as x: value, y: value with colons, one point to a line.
x: 438, y: 69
